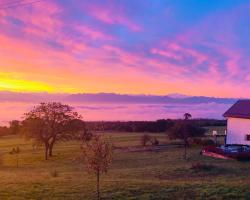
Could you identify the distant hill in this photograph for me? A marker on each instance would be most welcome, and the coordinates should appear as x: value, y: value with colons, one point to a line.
x: 30, y: 97
x: 121, y: 98
x: 111, y: 98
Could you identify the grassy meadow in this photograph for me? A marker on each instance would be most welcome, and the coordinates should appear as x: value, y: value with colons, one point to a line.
x: 133, y: 175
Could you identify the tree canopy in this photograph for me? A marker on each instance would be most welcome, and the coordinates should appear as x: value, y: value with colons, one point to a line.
x: 50, y: 122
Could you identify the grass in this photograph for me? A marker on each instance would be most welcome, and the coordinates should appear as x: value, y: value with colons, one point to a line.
x: 133, y: 175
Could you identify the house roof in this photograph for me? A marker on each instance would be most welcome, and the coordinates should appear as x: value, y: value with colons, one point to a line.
x: 241, y: 109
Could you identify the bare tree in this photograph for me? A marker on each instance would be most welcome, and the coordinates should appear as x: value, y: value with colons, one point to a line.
x: 187, y: 116
x: 184, y: 130
x: 49, y: 122
x: 98, y: 156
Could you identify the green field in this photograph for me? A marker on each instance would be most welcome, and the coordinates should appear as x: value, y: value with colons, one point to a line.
x: 133, y: 175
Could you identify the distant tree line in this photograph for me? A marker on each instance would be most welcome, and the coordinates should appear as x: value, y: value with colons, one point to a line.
x: 12, y: 129
x: 158, y: 126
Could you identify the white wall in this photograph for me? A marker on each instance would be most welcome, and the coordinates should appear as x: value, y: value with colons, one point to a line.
x: 237, y: 129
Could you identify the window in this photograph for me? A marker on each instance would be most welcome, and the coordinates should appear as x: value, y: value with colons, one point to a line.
x: 247, y: 137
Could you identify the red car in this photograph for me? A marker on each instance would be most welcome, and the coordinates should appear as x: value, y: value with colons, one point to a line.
x: 239, y: 152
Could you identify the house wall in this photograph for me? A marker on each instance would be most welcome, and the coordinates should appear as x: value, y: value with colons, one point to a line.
x: 237, y: 129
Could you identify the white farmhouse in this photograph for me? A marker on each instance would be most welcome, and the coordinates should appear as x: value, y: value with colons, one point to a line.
x: 238, y: 123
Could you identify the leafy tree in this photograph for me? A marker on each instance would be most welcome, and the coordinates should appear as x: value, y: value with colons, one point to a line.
x: 49, y: 122
x: 14, y: 127
x: 98, y: 156
x: 187, y: 116
x: 4, y: 130
x: 184, y: 130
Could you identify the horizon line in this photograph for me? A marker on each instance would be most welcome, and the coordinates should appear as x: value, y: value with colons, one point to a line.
x: 116, y: 93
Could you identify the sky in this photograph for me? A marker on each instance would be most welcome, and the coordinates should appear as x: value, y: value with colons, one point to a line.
x: 192, y: 47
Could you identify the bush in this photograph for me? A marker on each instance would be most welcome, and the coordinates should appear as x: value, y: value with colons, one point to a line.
x: 1, y: 159
x: 186, y: 194
x: 86, y: 136
x: 54, y: 173
x: 208, y: 142
x: 196, y: 141
x: 200, y: 142
x: 145, y: 139
x: 197, y: 167
x: 155, y: 142
x: 15, y: 150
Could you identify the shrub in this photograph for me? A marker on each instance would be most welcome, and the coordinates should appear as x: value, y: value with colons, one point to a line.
x: 54, y: 173
x: 186, y: 194
x: 16, y: 151
x: 197, y: 167
x: 155, y: 142
x: 85, y: 136
x: 200, y: 142
x: 208, y: 142
x: 145, y: 139
x: 196, y: 141
x: 1, y: 159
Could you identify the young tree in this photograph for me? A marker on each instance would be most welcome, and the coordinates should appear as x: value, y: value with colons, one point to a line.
x: 50, y: 122
x: 98, y: 156
x: 184, y: 130
x: 16, y: 151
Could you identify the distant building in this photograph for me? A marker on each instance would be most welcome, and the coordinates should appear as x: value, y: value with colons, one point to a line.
x: 214, y: 133
x: 238, y: 123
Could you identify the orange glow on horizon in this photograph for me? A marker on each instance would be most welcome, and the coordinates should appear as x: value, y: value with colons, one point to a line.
x: 16, y: 85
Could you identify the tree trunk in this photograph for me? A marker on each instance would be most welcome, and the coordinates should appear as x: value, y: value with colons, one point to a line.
x: 46, y: 151
x: 98, y: 185
x: 51, y: 149
x: 185, y: 149
x: 51, y: 145
x: 17, y: 160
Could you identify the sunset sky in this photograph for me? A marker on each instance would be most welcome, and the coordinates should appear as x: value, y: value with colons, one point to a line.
x: 193, y: 47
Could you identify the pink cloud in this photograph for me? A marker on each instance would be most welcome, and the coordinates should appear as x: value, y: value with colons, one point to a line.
x: 233, y: 60
x: 198, y: 57
x: 93, y: 33
x: 41, y: 17
x: 124, y: 56
x: 113, y: 15
x: 175, y: 51
x: 167, y: 54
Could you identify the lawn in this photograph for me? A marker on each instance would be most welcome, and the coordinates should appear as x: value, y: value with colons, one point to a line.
x: 133, y: 175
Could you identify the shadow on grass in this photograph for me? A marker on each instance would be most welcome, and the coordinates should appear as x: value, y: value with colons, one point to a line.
x: 186, y: 191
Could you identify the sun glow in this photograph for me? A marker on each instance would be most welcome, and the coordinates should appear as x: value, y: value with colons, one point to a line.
x: 23, y: 85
